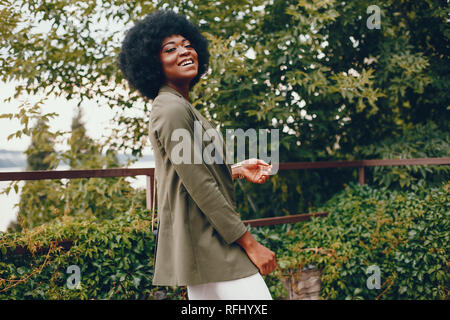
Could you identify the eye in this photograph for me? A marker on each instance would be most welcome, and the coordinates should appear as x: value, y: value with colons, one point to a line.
x: 170, y: 50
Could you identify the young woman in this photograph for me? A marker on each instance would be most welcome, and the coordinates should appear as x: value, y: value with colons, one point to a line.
x: 202, y: 243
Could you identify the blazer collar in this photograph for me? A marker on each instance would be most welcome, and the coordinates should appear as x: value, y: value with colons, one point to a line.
x: 166, y: 88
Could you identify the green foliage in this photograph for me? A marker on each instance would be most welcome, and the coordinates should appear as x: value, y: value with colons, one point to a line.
x: 115, y: 258
x: 44, y: 200
x: 40, y: 155
x: 405, y: 234
x: 84, y: 152
x: 310, y: 68
x: 420, y: 141
x: 41, y: 148
x: 105, y: 198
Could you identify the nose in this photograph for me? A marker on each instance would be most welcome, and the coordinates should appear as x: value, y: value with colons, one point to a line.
x: 184, y: 50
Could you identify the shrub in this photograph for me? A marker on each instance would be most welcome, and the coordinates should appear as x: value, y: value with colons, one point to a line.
x: 420, y: 141
x: 115, y: 258
x: 406, y: 235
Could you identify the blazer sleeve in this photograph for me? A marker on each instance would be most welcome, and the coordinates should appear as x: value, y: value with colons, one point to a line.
x: 169, y: 114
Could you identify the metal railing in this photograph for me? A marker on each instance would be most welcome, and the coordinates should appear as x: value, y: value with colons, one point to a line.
x: 149, y: 172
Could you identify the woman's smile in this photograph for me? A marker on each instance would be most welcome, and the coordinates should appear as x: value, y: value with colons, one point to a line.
x: 187, y: 62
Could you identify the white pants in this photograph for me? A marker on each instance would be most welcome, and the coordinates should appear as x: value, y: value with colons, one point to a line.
x: 249, y: 288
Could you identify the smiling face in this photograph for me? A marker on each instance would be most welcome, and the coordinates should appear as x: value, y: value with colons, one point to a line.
x: 179, y: 60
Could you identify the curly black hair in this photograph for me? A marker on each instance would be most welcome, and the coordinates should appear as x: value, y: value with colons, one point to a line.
x: 139, y: 56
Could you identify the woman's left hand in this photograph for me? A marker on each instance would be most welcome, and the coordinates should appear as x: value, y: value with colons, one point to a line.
x: 256, y: 170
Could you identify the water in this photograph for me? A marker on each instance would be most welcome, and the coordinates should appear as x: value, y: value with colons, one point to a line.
x: 8, y: 211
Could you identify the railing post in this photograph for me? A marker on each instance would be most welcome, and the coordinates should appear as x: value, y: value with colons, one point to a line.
x: 149, y: 192
x: 361, y: 176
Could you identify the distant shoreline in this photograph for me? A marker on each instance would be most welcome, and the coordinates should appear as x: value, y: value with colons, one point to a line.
x: 18, y: 159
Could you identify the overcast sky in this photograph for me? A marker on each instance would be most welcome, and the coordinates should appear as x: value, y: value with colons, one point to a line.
x: 97, y: 119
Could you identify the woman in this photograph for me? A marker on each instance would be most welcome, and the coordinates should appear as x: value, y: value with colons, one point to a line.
x: 202, y: 243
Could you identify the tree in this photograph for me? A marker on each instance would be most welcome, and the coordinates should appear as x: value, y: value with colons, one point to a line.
x: 41, y: 148
x: 39, y: 199
x: 45, y: 200
x: 84, y: 151
x: 310, y: 68
x: 104, y: 198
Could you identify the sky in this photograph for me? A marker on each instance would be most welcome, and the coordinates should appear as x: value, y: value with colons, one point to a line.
x: 97, y: 119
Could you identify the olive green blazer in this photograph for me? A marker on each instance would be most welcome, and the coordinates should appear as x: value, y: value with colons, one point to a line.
x: 197, y: 219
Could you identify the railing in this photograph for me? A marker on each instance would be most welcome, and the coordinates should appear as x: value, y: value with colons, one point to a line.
x: 149, y: 172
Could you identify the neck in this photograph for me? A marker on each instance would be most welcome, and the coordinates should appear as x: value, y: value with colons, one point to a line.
x: 183, y: 89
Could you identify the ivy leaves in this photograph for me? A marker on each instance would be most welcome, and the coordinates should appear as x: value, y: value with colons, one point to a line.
x: 404, y: 234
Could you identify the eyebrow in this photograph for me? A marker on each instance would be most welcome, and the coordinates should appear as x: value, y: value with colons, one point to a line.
x: 172, y: 42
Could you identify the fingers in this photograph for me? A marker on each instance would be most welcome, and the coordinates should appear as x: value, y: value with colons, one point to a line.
x: 268, y: 269
x: 259, y: 171
x: 252, y: 161
x: 264, y: 164
x: 262, y: 257
x: 263, y: 179
x: 273, y: 263
x: 266, y: 170
x: 258, y: 163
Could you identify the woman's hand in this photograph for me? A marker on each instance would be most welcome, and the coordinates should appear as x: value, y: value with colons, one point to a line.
x: 255, y: 170
x: 262, y: 257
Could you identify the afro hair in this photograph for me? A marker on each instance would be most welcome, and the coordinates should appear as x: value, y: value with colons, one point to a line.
x: 139, y: 56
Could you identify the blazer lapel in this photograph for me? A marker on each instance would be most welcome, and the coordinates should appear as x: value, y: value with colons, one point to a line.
x: 199, y: 117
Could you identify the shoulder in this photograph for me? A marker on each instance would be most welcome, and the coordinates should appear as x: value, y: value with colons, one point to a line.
x: 169, y: 110
x: 169, y: 105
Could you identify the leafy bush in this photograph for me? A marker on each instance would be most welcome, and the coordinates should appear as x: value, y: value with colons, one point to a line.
x: 44, y: 200
x: 420, y: 141
x: 115, y: 258
x: 405, y: 234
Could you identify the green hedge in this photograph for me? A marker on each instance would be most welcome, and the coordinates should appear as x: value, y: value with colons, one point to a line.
x: 115, y: 258
x: 419, y: 141
x: 405, y: 234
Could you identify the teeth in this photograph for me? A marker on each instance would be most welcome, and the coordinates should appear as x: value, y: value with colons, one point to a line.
x: 187, y: 62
